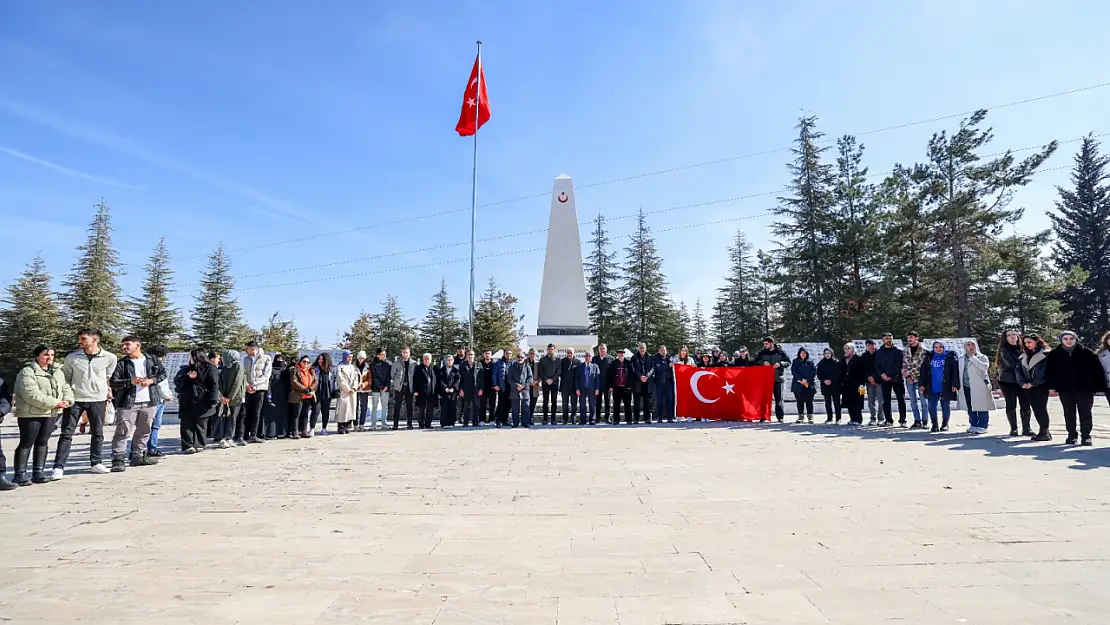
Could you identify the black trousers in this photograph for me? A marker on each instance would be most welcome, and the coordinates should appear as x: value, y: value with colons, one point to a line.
x: 425, y: 407
x: 1036, y: 398
x: 1015, y: 395
x: 363, y: 407
x: 194, y: 425
x: 533, y: 398
x: 570, y: 406
x: 447, y: 406
x: 550, y: 401
x: 641, y: 406
x: 832, y: 403
x: 602, y: 407
x: 1078, y: 404
x: 321, y: 410
x: 468, y: 406
x: 805, y: 403
x: 401, y: 397
x: 622, y: 397
x: 34, y: 434
x: 853, y: 402
x: 251, y: 415
x: 70, y: 418
x: 291, y: 419
x: 899, y: 389
x: 487, y: 404
x: 504, y: 406
x: 308, y: 407
x: 776, y: 392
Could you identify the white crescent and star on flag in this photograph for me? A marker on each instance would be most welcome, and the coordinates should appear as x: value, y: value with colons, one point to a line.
x: 727, y: 388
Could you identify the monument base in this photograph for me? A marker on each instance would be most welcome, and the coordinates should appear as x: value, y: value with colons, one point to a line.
x: 580, y: 342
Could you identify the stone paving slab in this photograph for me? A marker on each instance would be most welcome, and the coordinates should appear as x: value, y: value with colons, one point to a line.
x: 706, y: 524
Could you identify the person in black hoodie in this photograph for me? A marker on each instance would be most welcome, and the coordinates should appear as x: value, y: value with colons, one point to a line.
x: 1006, y: 361
x: 469, y: 383
x: 1075, y: 373
x: 803, y: 381
x: 888, y: 373
x: 772, y: 356
x: 853, y: 384
x: 641, y: 388
x: 424, y: 391
x: 447, y: 385
x: 568, y: 369
x: 1032, y: 366
x: 830, y: 376
x: 275, y: 411
x: 198, y: 391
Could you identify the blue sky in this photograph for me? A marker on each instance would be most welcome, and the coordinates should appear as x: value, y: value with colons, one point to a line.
x: 214, y: 121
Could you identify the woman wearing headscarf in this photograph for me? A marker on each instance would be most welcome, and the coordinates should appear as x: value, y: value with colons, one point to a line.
x: 1076, y: 374
x: 830, y: 374
x: 302, y: 395
x: 976, y: 397
x: 424, y: 391
x: 804, y: 374
x: 198, y: 394
x: 940, y: 384
x: 41, y: 394
x: 349, y: 381
x: 275, y: 412
x: 854, y: 383
x: 324, y: 371
x: 366, y: 382
x: 1032, y: 366
x: 1006, y: 362
x: 233, y: 392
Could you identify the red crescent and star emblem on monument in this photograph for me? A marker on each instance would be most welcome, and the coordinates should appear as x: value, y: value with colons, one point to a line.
x: 562, y: 197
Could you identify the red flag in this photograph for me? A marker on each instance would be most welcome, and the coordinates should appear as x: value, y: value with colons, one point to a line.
x: 727, y: 393
x: 474, y: 97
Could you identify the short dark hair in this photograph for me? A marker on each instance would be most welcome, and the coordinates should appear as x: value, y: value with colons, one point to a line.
x: 550, y: 345
x: 252, y: 343
x: 212, y: 355
x: 768, y: 339
x: 380, y: 350
x: 886, y: 334
x: 42, y: 348
x: 158, y: 351
x: 130, y: 338
x: 869, y: 342
x: 89, y: 332
x: 913, y: 334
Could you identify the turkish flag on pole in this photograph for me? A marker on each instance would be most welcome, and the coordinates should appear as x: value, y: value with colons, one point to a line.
x: 725, y: 393
x: 474, y: 99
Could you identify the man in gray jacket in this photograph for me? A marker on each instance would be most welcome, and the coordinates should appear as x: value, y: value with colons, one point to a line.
x: 548, y: 369
x: 400, y: 382
x: 86, y: 370
x: 520, y: 389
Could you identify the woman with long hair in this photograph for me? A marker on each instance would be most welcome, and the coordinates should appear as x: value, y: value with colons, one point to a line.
x: 198, y: 391
x: 1104, y: 358
x: 324, y: 371
x: 1006, y: 362
x: 41, y: 394
x: 1032, y: 367
x: 976, y: 397
x: 302, y: 397
x: 706, y: 361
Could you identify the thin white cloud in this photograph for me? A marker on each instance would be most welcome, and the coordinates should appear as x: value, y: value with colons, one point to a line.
x: 14, y: 153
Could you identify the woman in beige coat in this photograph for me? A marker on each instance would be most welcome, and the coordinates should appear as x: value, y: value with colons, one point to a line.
x: 975, y: 396
x: 41, y: 394
x: 349, y: 380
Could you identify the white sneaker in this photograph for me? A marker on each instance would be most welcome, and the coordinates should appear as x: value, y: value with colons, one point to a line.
x: 980, y: 430
x: 57, y: 474
x: 99, y: 469
x: 224, y: 444
x: 971, y: 430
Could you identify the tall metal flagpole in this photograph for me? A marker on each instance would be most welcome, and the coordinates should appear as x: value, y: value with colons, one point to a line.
x: 474, y: 193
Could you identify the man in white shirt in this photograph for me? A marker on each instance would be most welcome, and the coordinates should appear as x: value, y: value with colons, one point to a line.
x: 131, y: 384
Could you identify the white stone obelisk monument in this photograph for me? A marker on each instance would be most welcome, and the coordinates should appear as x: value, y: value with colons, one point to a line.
x: 563, y: 319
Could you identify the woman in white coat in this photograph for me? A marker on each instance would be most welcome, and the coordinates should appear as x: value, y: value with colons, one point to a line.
x: 349, y: 380
x: 975, y: 396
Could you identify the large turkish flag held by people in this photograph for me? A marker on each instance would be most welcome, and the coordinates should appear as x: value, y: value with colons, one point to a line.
x: 726, y: 393
x: 474, y: 98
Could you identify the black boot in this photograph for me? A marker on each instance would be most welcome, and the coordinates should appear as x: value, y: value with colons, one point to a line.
x: 38, y: 466
x: 935, y: 428
x: 143, y: 459
x: 944, y: 425
x: 6, y: 485
x: 20, y: 469
x: 119, y: 465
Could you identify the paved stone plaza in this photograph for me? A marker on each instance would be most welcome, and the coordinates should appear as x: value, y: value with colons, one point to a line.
x: 690, y: 523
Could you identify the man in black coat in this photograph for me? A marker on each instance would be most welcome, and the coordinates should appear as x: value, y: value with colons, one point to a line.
x: 469, y: 373
x: 487, y: 397
x: 447, y: 386
x: 568, y: 368
x: 830, y: 376
x: 603, y: 361
x: 874, y: 389
x: 619, y: 379
x: 548, y: 369
x: 888, y: 373
x: 773, y: 356
x: 641, y: 387
x: 1076, y: 374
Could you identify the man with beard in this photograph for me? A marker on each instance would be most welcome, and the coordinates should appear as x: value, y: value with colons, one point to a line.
x: 548, y: 369
x: 567, y: 370
x: 773, y: 356
x: 603, y: 361
x: 641, y: 388
x: 487, y: 397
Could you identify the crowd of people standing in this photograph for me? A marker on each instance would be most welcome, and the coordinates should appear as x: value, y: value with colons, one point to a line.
x: 227, y: 399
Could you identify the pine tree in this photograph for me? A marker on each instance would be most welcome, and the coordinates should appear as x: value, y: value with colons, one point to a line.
x: 152, y: 316
x: 1022, y: 292
x: 217, y: 319
x: 30, y: 317
x: 684, y: 324
x: 699, y: 331
x: 768, y: 279
x: 739, y: 310
x: 93, y: 297
x: 315, y: 345
x: 361, y: 336
x: 855, y: 249
x: 808, y: 283
x: 393, y: 330
x: 602, y: 286
x: 496, y: 324
x: 969, y: 204
x: 441, y: 331
x: 1082, y: 225
x: 280, y: 335
x: 645, y: 305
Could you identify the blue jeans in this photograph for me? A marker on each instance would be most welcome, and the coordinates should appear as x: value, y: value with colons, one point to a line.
x: 977, y: 418
x: 664, y: 402
x: 918, y: 402
x: 522, y: 412
x: 152, y: 444
x: 945, y: 407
